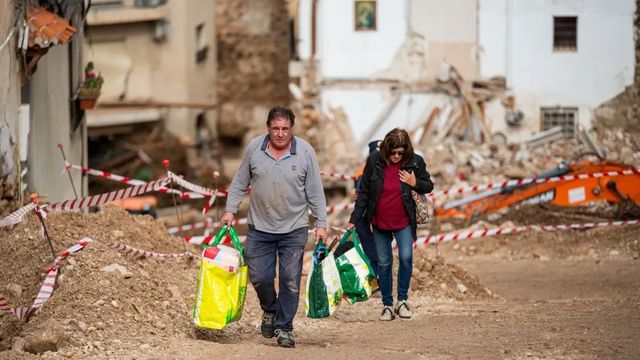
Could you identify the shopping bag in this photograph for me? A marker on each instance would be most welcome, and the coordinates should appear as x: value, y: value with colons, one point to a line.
x: 354, y: 268
x: 222, y: 285
x: 324, y: 291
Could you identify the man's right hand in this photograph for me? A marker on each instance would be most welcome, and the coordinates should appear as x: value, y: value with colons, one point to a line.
x: 350, y: 226
x: 227, y: 218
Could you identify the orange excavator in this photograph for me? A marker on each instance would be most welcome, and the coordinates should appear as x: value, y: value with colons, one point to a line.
x: 623, y: 189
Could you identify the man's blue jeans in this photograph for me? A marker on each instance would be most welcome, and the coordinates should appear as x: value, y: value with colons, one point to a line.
x: 261, y: 250
x: 404, y: 239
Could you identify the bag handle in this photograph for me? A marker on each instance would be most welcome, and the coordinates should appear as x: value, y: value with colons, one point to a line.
x: 232, y: 234
x: 358, y: 246
x: 320, y: 247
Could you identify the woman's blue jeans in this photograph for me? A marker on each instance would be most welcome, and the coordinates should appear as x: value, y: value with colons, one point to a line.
x: 404, y: 239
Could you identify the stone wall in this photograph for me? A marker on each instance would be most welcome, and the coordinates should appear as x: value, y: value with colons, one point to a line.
x: 253, y: 63
x: 624, y: 110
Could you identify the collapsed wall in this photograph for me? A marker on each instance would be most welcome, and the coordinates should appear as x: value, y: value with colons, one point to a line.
x: 253, y: 63
x: 624, y: 109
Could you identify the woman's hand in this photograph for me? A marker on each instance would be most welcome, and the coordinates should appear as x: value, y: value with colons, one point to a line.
x: 408, y: 178
x: 350, y: 226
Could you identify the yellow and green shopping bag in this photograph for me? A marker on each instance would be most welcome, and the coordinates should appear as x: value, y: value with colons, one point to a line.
x: 222, y: 283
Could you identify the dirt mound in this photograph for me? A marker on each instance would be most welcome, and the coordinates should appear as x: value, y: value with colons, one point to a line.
x: 92, y: 308
x: 433, y: 277
x: 144, y: 302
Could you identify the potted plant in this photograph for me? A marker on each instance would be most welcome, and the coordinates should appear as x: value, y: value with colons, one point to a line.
x: 90, y: 89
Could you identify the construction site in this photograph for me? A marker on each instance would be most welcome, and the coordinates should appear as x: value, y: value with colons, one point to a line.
x: 125, y: 122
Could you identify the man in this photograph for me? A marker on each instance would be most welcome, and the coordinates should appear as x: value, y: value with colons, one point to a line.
x: 284, y: 176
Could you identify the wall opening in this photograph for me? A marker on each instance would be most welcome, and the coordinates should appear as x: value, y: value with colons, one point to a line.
x: 565, y: 117
x: 565, y: 33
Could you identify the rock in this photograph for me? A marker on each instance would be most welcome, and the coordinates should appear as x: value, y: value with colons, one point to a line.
x: 100, y: 325
x: 544, y: 258
x: 446, y: 227
x: 15, y: 290
x: 82, y: 326
x: 47, y: 338
x: 614, y: 253
x: 463, y: 289
x: 118, y: 233
x: 115, y: 304
x: 144, y: 347
x: 443, y: 286
x: 636, y: 255
x: 117, y: 268
x: 18, y: 344
x: 456, y: 246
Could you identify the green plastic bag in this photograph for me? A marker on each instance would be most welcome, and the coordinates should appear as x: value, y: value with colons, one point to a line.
x: 221, y: 291
x: 354, y: 267
x: 324, y: 291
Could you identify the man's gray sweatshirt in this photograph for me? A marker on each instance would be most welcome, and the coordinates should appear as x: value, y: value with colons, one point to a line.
x: 282, y: 190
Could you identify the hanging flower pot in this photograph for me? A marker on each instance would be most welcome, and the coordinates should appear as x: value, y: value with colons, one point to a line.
x: 90, y: 90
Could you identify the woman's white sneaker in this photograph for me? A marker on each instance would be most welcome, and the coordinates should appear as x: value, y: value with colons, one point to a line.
x: 402, y: 310
x: 387, y: 314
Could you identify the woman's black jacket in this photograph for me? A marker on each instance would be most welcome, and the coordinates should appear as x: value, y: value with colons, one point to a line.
x: 372, y: 184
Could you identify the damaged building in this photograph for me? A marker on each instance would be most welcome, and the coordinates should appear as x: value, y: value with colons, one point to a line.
x: 472, y: 69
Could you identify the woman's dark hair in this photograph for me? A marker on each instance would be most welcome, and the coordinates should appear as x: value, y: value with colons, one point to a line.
x: 394, y: 139
x: 277, y: 112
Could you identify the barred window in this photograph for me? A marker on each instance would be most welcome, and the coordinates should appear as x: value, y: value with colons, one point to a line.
x: 565, y: 33
x: 566, y: 118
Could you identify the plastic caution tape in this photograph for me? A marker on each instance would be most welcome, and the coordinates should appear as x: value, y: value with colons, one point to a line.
x: 17, y: 216
x: 338, y: 176
x: 453, y: 236
x: 201, y: 224
x: 47, y: 285
x: 129, y: 250
x: 101, y: 199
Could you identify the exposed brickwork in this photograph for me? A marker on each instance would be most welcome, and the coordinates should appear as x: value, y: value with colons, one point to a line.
x: 253, y: 60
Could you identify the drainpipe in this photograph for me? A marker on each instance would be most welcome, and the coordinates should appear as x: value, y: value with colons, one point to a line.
x: 314, y: 14
x: 508, y: 45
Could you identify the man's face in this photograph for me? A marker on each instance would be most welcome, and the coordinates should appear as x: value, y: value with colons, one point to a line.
x: 280, y: 133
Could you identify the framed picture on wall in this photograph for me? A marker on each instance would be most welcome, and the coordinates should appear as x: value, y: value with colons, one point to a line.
x: 365, y: 15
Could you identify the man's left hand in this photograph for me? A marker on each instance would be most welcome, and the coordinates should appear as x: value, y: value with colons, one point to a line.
x: 321, y: 233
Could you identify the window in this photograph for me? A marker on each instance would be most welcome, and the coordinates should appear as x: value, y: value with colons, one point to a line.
x: 565, y: 33
x: 563, y: 117
x: 365, y: 15
x: 202, y: 49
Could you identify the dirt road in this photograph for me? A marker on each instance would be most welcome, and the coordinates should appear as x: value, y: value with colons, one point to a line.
x: 557, y: 309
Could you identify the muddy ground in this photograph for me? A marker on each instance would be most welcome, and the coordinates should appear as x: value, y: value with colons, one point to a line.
x: 563, y: 295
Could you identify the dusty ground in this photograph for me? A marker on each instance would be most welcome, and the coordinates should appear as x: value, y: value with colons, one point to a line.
x: 569, y: 295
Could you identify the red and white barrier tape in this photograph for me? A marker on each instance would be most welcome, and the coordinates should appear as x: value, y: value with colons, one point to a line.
x: 335, y: 208
x: 432, y: 239
x: 338, y: 176
x: 193, y: 187
x: 530, y: 180
x: 242, y: 221
x: 16, y: 216
x: 126, y: 180
x: 198, y: 225
x: 47, y: 286
x: 103, y: 174
x: 199, y: 240
x: 128, y: 250
x: 101, y: 199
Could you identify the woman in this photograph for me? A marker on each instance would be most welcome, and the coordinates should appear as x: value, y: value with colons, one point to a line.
x: 385, y: 198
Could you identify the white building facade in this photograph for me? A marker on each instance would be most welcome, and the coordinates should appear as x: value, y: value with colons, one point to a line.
x: 561, y: 59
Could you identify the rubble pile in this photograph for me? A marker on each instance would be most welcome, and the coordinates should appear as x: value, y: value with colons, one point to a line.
x: 108, y: 303
x: 434, y: 278
x: 463, y: 163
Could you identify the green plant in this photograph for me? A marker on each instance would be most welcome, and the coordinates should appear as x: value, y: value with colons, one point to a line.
x: 92, y: 83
